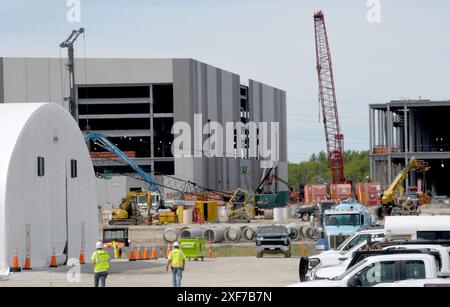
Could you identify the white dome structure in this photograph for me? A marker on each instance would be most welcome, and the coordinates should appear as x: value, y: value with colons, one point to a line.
x: 47, y: 186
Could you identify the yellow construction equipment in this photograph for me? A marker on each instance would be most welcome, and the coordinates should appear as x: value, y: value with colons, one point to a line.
x: 130, y: 212
x: 395, y: 191
x: 242, y: 207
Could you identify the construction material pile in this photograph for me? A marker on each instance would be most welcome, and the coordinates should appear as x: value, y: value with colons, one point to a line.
x: 232, y: 234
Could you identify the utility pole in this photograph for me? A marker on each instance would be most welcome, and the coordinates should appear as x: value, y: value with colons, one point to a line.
x: 68, y: 43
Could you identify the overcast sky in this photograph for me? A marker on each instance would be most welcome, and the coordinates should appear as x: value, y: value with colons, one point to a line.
x: 405, y: 55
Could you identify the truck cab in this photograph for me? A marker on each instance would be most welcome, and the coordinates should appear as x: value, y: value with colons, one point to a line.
x: 343, y: 221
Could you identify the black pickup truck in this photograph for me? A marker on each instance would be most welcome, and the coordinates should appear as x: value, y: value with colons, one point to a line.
x: 273, y: 239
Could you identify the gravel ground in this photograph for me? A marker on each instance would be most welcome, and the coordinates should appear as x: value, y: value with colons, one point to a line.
x: 217, y: 272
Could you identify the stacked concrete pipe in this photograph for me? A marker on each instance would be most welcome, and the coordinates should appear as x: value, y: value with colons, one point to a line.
x: 294, y: 228
x: 170, y: 235
x: 249, y: 233
x: 233, y: 235
x: 188, y: 233
x: 216, y: 234
x: 307, y: 232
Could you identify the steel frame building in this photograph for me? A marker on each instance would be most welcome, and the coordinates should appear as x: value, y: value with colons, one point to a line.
x: 402, y: 129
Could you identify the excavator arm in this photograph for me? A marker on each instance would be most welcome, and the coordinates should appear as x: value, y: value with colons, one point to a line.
x: 102, y: 141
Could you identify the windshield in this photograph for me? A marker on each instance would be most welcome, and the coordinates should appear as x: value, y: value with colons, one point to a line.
x: 277, y: 230
x: 342, y: 220
x: 352, y: 242
x: 351, y: 269
x: 113, y: 235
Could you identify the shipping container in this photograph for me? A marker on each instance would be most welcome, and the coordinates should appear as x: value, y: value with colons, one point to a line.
x: 340, y: 192
x: 315, y: 193
x: 369, y: 194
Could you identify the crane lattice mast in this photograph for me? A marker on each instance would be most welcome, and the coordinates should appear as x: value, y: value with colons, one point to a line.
x: 68, y: 43
x: 327, y: 98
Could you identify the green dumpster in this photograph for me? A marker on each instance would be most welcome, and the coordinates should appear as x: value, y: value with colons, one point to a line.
x: 194, y: 248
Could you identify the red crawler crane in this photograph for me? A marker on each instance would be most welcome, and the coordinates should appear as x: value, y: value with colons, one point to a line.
x: 327, y: 97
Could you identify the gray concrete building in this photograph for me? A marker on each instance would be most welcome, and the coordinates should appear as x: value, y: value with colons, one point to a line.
x: 135, y: 102
x: 402, y: 129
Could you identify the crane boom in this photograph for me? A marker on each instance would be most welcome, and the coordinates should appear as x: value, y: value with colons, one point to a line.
x: 397, y: 185
x: 68, y: 43
x: 171, y: 182
x: 327, y: 98
x: 102, y: 141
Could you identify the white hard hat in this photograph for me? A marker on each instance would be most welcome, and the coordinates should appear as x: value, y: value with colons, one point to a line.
x: 99, y: 245
x: 176, y: 244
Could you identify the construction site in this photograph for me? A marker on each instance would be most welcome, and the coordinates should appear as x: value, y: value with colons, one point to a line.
x: 141, y: 159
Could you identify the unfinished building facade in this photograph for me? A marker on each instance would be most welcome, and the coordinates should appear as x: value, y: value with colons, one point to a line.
x: 400, y: 130
x: 135, y: 103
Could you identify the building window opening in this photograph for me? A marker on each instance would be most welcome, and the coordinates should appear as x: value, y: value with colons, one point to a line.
x: 111, y: 92
x: 163, y: 98
x: 133, y: 147
x: 40, y: 166
x: 73, y: 168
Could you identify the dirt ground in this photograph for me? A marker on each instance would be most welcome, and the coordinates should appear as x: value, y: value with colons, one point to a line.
x: 271, y: 271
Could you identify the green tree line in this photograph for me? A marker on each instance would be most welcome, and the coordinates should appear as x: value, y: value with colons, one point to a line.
x: 316, y: 170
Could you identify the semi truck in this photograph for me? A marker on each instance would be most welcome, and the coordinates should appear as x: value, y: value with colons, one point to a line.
x: 341, y: 222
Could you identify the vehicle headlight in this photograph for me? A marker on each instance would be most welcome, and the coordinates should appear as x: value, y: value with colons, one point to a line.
x: 313, y: 262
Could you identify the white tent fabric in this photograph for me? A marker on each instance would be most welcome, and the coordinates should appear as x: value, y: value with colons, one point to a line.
x: 52, y: 211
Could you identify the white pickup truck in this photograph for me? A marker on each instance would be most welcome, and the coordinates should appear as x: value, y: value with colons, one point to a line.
x: 443, y: 251
x: 309, y: 266
x: 382, y: 269
x: 418, y: 283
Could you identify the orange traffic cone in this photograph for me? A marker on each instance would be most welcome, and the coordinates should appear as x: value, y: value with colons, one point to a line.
x: 210, y: 253
x: 27, y: 264
x: 138, y: 254
x: 168, y: 250
x: 132, y: 258
x: 15, y: 266
x: 82, y: 261
x: 146, y: 254
x: 53, y: 263
x: 154, y: 255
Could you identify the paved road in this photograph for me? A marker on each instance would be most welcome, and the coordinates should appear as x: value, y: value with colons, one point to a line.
x: 218, y: 272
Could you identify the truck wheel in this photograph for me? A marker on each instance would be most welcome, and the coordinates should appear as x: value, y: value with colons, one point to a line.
x: 259, y: 255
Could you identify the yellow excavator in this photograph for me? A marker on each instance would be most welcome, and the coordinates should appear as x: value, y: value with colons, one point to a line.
x: 131, y: 208
x: 391, y: 196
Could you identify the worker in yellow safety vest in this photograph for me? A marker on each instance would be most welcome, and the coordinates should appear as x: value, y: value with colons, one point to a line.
x: 176, y: 261
x: 101, y: 265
